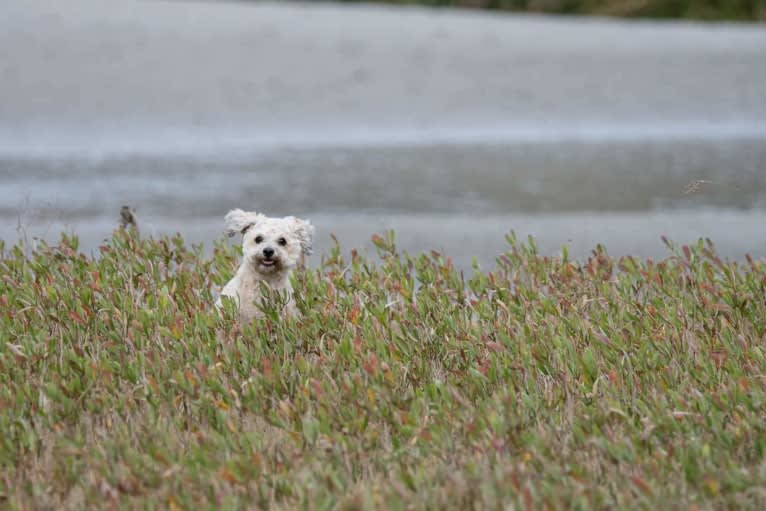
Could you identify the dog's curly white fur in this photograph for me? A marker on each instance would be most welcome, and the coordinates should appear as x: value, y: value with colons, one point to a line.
x: 271, y: 248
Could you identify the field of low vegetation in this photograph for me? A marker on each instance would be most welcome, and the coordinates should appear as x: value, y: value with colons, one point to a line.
x: 543, y: 383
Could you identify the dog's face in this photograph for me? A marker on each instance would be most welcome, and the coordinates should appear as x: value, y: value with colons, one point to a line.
x: 270, y: 245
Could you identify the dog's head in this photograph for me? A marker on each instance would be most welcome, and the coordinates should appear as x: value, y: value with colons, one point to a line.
x: 270, y: 245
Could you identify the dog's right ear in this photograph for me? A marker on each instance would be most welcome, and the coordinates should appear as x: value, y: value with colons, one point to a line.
x: 237, y: 221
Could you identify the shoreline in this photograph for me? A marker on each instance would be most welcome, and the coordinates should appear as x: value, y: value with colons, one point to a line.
x: 735, y: 233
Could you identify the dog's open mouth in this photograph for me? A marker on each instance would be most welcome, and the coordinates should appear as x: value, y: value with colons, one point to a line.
x: 268, y: 263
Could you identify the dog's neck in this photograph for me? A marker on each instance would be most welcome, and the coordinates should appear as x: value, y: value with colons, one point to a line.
x: 276, y: 280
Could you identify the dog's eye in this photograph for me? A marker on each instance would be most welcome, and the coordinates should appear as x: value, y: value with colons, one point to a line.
x: 258, y: 238
x: 282, y: 241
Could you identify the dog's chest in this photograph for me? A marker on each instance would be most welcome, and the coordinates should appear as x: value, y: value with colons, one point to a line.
x: 251, y: 298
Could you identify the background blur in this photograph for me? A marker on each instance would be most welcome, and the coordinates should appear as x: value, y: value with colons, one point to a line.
x: 452, y: 126
x: 716, y: 10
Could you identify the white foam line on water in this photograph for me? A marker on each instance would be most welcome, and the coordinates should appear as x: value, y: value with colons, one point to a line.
x: 218, y: 143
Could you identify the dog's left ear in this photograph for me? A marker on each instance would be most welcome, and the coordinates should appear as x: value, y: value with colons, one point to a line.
x: 237, y: 221
x: 304, y: 232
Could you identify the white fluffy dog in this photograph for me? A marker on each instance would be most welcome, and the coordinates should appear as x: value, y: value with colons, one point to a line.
x: 271, y: 248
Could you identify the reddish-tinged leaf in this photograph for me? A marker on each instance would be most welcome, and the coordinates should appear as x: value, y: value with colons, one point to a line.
x: 495, y: 347
x: 642, y: 485
x: 317, y: 387
x: 371, y: 365
x: 719, y: 357
x: 76, y: 317
x: 190, y: 377
x: 528, y: 502
x: 266, y: 367
x: 228, y: 476
x: 378, y: 241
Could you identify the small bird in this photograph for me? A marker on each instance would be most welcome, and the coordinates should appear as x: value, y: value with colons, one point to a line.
x: 128, y: 218
x: 696, y: 185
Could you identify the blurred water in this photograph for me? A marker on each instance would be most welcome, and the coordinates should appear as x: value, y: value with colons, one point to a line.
x: 452, y: 127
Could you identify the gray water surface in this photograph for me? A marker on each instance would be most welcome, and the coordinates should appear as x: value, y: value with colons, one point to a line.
x: 452, y: 127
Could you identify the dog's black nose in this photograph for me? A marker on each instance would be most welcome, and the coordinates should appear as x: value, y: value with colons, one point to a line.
x: 268, y: 252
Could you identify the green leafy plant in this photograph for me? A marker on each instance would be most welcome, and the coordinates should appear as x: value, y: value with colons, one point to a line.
x: 404, y: 384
